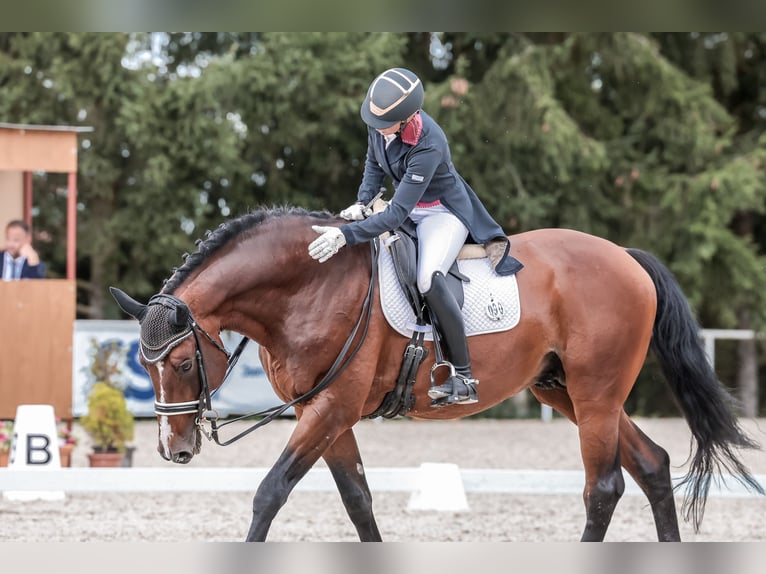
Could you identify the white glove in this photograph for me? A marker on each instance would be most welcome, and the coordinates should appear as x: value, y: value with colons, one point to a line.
x: 354, y: 212
x: 327, y: 244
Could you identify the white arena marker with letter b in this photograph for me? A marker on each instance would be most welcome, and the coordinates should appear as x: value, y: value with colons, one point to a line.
x: 34, y: 447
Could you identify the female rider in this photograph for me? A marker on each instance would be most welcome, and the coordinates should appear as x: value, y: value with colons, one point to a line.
x: 407, y: 145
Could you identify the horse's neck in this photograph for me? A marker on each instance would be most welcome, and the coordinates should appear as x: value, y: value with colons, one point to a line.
x: 268, y: 289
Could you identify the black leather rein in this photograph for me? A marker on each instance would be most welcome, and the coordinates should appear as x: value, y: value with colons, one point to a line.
x: 205, y: 411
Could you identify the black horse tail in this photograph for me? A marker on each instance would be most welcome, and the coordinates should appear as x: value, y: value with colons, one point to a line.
x: 704, y: 401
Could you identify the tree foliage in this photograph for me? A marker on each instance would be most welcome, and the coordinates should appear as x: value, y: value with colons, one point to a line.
x: 651, y: 140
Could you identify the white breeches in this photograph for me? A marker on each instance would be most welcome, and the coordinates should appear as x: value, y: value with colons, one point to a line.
x: 441, y: 235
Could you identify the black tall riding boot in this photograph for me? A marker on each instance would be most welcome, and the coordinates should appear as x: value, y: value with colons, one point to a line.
x: 459, y: 387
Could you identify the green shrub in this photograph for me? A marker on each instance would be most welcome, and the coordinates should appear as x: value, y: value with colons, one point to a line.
x: 108, y: 422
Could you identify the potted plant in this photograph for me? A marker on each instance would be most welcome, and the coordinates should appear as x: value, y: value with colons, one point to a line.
x: 67, y: 442
x: 6, y: 435
x: 109, y: 423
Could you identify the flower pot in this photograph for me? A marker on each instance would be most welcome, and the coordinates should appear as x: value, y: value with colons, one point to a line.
x: 127, y: 459
x: 101, y: 459
x: 65, y: 452
x: 5, y: 456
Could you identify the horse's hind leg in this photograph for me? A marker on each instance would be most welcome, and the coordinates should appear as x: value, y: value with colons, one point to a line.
x: 599, y: 446
x: 345, y: 463
x: 649, y: 465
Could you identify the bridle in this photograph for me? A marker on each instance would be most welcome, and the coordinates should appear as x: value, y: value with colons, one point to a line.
x: 204, y: 402
x: 203, y: 406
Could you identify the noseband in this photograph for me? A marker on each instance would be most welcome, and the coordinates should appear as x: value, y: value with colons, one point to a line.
x: 204, y: 404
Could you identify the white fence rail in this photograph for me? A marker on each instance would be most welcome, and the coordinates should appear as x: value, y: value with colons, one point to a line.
x: 395, y: 479
x: 708, y: 336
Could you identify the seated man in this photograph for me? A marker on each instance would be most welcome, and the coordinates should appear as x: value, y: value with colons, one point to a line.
x: 19, y: 260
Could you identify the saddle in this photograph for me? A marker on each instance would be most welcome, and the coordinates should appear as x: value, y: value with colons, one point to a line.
x: 402, y: 244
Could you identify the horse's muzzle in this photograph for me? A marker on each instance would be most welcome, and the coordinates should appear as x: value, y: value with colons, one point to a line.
x: 182, y: 457
x: 180, y: 448
x: 161, y: 450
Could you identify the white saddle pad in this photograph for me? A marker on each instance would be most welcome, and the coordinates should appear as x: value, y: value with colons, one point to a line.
x: 491, y: 301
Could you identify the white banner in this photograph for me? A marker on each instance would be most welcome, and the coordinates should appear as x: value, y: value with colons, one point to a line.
x: 247, y: 390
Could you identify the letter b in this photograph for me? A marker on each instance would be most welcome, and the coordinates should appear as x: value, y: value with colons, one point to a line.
x: 38, y: 449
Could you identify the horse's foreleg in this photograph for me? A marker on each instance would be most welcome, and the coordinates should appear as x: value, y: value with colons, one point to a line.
x: 314, y: 433
x: 273, y: 491
x: 345, y: 463
x: 649, y: 465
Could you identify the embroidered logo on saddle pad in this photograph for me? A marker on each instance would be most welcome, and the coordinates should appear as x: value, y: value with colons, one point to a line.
x: 491, y: 301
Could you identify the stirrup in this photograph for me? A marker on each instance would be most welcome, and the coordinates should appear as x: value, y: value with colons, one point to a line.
x: 441, y: 391
x: 460, y: 392
x: 456, y: 390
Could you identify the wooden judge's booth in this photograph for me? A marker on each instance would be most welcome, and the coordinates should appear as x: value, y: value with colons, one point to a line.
x: 37, y: 316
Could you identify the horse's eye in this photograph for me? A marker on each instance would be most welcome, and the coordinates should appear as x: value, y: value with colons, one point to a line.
x: 186, y: 366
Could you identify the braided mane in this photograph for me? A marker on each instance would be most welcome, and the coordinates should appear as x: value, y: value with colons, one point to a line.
x: 228, y: 231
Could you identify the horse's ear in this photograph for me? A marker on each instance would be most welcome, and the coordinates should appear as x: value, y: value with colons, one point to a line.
x: 181, y: 316
x: 129, y: 305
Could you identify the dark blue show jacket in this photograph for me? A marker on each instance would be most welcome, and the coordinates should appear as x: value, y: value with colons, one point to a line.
x: 422, y: 172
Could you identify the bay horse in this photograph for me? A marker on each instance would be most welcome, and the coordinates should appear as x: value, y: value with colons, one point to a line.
x: 590, y: 310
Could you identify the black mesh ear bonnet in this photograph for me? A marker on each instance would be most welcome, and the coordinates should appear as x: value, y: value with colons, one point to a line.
x: 167, y: 322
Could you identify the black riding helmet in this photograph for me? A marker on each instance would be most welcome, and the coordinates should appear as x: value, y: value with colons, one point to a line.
x: 393, y: 96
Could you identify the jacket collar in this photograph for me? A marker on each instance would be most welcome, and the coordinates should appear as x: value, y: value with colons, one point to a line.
x: 410, y: 134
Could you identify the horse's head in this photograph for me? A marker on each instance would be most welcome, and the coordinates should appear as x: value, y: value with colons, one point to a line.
x: 185, y: 364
